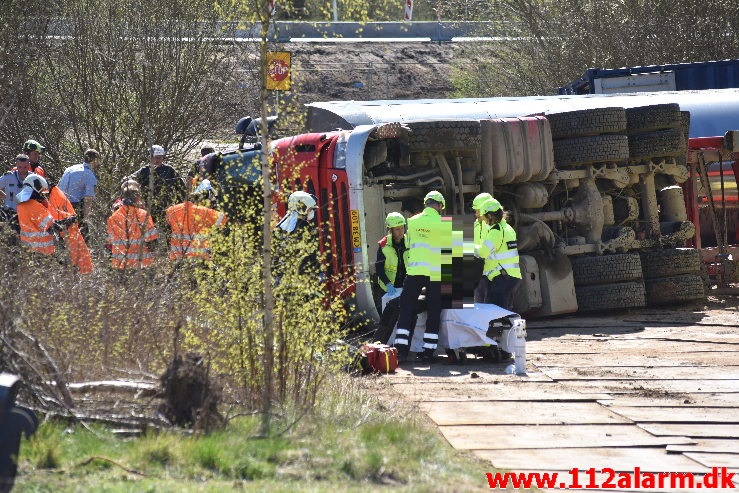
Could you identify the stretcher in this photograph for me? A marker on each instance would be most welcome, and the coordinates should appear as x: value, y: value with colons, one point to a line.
x: 475, y: 325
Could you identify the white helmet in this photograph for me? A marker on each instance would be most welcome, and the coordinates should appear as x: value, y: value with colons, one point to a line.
x: 301, y: 202
x: 37, y: 182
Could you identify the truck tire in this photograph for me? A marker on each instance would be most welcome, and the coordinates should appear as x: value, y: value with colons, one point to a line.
x: 586, y: 150
x: 682, y: 160
x: 670, y: 290
x: 610, y: 296
x: 653, y: 117
x: 620, y: 267
x: 663, y: 143
x: 671, y: 262
x: 440, y: 135
x: 583, y: 123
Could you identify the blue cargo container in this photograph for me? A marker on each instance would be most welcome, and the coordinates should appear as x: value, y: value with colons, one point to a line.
x: 721, y: 74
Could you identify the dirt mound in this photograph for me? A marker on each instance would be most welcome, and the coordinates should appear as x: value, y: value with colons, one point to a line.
x: 190, y: 395
x: 372, y: 70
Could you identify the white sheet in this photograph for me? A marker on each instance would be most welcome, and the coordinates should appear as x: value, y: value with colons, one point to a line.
x: 462, y: 327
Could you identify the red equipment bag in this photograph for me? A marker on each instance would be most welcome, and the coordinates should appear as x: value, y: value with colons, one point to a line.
x: 378, y: 358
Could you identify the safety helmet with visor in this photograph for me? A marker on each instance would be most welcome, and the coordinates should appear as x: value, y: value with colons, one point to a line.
x: 32, y: 183
x: 490, y: 205
x: 394, y: 219
x: 31, y: 145
x: 436, y: 197
x: 37, y: 182
x: 480, y: 199
x: 303, y: 203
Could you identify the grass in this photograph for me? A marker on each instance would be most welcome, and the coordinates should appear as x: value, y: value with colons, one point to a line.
x: 350, y: 442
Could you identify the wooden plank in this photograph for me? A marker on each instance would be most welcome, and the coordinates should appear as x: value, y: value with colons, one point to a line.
x: 502, y: 437
x: 481, y: 372
x: 653, y: 387
x: 712, y: 445
x: 642, y: 373
x: 636, y: 358
x: 679, y: 414
x: 691, y: 430
x: 486, y: 391
x: 603, y: 479
x: 519, y: 413
x: 673, y: 334
x: 612, y: 347
x: 715, y: 460
x: 678, y: 400
x: 621, y: 459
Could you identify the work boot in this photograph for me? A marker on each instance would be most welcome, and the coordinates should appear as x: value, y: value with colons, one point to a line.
x: 403, y: 351
x: 456, y: 356
x: 427, y: 356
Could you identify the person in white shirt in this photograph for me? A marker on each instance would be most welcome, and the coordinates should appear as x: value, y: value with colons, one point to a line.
x: 78, y: 183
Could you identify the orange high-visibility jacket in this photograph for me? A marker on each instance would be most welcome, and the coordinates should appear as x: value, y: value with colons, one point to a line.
x: 34, y: 219
x: 61, y: 208
x: 129, y: 228
x: 190, y: 225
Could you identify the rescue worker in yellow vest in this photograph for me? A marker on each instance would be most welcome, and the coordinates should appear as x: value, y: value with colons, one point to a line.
x: 37, y: 226
x: 427, y: 236
x: 190, y: 225
x: 392, y: 258
x: 480, y: 231
x: 501, y: 271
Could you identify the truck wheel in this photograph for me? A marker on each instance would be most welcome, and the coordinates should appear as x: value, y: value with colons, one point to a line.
x: 610, y: 296
x: 671, y: 262
x: 663, y: 143
x: 670, y: 290
x: 682, y: 160
x: 586, y: 150
x: 583, y: 123
x: 653, y: 117
x: 685, y: 125
x: 441, y: 135
x: 620, y: 267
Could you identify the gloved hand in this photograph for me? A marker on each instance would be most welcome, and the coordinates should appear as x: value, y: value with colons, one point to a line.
x: 56, y: 227
x: 67, y: 221
x: 391, y: 290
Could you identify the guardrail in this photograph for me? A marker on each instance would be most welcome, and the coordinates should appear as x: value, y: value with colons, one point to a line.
x: 284, y: 31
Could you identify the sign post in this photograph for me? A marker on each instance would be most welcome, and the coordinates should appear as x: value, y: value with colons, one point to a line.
x: 408, y: 16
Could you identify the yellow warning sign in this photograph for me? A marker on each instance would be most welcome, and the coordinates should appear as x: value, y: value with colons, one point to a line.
x: 278, y: 71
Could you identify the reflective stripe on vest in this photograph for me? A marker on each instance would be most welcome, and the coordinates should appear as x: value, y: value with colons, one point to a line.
x: 34, y: 220
x: 391, y: 261
x: 503, y: 257
x: 190, y: 224
x: 128, y: 229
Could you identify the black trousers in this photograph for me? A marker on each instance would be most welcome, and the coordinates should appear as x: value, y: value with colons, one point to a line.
x: 14, y: 422
x: 390, y: 315
x: 501, y: 290
x: 411, y: 289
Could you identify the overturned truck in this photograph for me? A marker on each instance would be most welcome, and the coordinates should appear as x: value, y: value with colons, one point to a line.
x: 593, y: 185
